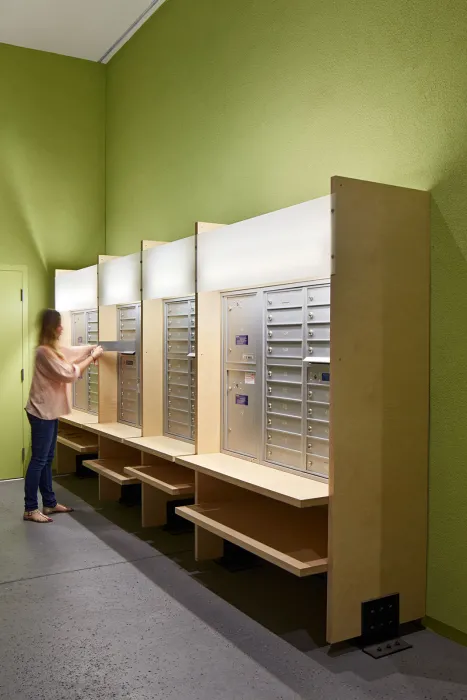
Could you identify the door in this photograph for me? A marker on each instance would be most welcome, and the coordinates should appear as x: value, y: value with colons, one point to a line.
x: 11, y: 385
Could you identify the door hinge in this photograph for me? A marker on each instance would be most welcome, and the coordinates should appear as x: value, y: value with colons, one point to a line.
x: 23, y: 454
x: 22, y: 375
x: 22, y: 295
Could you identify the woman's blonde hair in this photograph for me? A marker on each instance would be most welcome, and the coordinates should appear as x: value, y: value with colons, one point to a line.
x: 49, y: 323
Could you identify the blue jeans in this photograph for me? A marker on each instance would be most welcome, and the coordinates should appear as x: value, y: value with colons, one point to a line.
x: 39, y: 474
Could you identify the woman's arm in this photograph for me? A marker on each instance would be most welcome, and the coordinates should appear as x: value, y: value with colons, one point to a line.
x: 77, y: 353
x: 58, y: 370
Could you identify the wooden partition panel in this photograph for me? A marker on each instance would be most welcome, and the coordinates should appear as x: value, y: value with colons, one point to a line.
x: 208, y: 361
x: 379, y: 401
x: 108, y: 366
x: 152, y: 367
x: 208, y: 351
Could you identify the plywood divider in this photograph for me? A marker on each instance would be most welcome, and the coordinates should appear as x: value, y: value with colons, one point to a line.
x: 208, y: 362
x: 205, y: 226
x: 110, y: 449
x: 109, y: 490
x: 105, y: 258
x: 66, y: 459
x: 211, y: 490
x: 146, y: 245
x: 379, y: 401
x: 208, y: 351
x: 153, y: 506
x: 108, y: 366
x: 152, y: 367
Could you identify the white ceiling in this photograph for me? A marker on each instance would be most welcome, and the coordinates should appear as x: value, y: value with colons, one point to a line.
x: 92, y: 29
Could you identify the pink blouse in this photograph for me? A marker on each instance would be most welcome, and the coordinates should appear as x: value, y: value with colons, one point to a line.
x: 48, y: 396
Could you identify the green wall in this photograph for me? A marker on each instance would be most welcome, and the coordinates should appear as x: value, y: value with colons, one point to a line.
x: 220, y: 111
x: 52, y: 165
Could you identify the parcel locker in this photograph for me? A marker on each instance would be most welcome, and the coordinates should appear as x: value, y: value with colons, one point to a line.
x: 84, y: 329
x: 180, y: 368
x: 129, y: 397
x: 243, y: 413
x: 242, y: 320
x: 242, y: 382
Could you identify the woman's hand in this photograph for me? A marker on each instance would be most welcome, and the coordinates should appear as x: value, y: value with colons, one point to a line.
x: 97, y: 352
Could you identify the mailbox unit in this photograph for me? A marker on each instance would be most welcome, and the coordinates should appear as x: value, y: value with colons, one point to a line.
x: 76, y: 299
x: 129, y: 396
x: 310, y: 322
x: 276, y: 355
x: 180, y: 368
x: 85, y: 331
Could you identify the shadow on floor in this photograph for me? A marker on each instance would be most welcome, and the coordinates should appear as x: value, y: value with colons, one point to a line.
x: 292, y: 608
x: 271, y: 600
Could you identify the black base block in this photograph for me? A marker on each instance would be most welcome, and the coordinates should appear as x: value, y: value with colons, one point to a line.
x: 380, y: 620
x: 175, y: 524
x: 131, y: 495
x: 237, y: 559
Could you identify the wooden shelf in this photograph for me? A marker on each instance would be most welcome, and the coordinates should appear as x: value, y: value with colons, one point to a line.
x: 115, y: 431
x: 81, y: 441
x: 79, y: 419
x: 295, y: 490
x: 171, y: 478
x: 295, y: 540
x: 112, y: 469
x: 165, y: 447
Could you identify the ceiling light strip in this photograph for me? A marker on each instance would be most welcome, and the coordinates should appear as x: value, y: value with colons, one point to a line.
x: 132, y: 29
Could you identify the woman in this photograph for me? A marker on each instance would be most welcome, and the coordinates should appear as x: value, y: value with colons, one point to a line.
x: 55, y: 368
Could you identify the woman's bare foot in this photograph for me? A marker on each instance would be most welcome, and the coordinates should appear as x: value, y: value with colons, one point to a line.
x: 35, y: 516
x: 57, y: 509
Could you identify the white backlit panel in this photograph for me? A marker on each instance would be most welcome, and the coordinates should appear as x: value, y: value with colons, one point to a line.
x: 120, y: 280
x: 286, y: 245
x: 169, y: 270
x: 77, y: 290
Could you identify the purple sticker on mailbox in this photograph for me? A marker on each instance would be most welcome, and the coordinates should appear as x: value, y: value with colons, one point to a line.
x: 241, y: 399
x: 241, y: 340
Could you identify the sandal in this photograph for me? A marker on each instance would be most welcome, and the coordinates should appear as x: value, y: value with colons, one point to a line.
x: 57, y: 509
x: 35, y: 516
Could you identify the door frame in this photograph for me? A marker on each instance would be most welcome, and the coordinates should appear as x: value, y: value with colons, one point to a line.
x: 25, y: 349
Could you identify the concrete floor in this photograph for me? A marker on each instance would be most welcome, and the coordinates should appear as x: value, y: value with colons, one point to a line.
x: 92, y: 607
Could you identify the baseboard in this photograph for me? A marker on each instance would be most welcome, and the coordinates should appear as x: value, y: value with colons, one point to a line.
x: 446, y: 631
